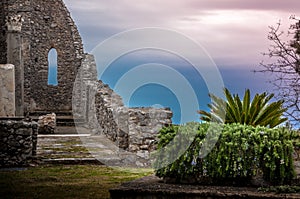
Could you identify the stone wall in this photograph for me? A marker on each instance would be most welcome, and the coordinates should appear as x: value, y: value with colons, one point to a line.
x: 46, y: 24
x: 18, y: 140
x: 132, y: 129
x: 3, y: 46
x: 112, y: 115
x: 52, y: 27
x: 144, y: 125
x: 7, y: 91
x: 85, y: 83
x: 100, y: 107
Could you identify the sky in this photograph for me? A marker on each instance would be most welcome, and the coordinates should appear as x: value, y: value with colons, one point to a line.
x: 232, y: 32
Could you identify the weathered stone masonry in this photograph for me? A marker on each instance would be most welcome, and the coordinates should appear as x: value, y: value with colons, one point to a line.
x: 47, y: 24
x: 132, y: 129
x: 29, y: 30
x: 18, y: 142
x: 3, y: 46
x: 7, y: 90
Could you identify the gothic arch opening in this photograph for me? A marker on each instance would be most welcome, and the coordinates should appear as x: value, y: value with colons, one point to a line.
x: 52, y: 67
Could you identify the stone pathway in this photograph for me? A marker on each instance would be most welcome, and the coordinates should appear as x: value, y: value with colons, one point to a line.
x: 68, y: 146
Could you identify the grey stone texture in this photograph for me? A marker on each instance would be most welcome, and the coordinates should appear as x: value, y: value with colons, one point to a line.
x: 46, y: 24
x: 18, y: 142
x: 29, y: 30
x: 7, y: 90
x: 14, y: 56
x: 132, y: 129
x: 47, y: 123
x: 144, y: 125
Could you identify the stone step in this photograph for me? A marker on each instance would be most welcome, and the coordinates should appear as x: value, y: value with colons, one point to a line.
x: 68, y: 121
x: 72, y: 161
x: 64, y: 120
x: 80, y: 146
x: 58, y: 113
x: 12, y: 118
x: 64, y: 148
x: 67, y: 130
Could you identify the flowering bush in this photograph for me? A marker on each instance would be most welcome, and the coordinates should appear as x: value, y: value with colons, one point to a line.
x: 240, y: 152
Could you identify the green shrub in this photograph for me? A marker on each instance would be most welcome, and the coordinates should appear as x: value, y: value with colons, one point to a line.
x: 239, y: 154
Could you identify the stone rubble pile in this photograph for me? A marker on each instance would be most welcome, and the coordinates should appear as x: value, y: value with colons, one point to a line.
x: 47, y: 123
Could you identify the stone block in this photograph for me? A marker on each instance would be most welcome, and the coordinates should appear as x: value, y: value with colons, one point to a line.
x: 47, y: 123
x: 7, y: 90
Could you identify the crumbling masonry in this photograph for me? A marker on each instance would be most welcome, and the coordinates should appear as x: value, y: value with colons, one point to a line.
x: 29, y: 30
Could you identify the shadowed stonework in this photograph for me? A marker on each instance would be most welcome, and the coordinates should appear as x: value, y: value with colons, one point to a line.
x: 46, y: 24
x: 30, y: 29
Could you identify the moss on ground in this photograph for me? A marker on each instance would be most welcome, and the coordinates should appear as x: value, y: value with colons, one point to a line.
x: 65, y: 181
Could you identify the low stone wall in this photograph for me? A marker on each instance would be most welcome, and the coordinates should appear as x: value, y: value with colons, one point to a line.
x: 18, y: 141
x: 144, y: 125
x: 132, y: 129
x: 111, y: 115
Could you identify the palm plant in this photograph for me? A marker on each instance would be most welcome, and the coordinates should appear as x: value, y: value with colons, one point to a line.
x: 255, y: 112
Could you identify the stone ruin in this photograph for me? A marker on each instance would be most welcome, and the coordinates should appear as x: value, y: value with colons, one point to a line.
x: 30, y: 29
x: 47, y: 123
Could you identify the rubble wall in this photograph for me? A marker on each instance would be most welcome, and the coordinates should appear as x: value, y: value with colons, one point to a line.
x: 132, y: 129
x: 46, y: 25
x: 18, y: 140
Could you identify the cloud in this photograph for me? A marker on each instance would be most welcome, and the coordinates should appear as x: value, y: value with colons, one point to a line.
x: 231, y: 30
x: 179, y: 7
x: 274, y: 5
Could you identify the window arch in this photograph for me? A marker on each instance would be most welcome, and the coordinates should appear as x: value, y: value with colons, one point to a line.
x: 52, y: 67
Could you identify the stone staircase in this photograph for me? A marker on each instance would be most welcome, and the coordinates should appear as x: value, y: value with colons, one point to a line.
x: 72, y: 145
x: 64, y: 147
x: 63, y: 118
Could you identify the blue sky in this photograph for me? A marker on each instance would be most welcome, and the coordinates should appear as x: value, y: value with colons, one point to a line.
x: 233, y: 33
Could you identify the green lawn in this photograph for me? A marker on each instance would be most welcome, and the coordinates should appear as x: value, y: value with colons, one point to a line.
x: 65, y: 181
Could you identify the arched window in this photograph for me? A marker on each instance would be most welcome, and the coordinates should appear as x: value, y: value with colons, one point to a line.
x: 52, y: 67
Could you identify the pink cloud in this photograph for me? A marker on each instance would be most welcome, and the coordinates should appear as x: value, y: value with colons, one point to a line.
x: 225, y: 27
x: 278, y: 5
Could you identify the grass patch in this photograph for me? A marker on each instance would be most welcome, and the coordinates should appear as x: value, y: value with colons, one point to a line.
x: 65, y: 149
x: 65, y: 181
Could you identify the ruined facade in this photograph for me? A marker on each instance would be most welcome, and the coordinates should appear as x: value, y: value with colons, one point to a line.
x: 44, y: 25
x: 30, y: 29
